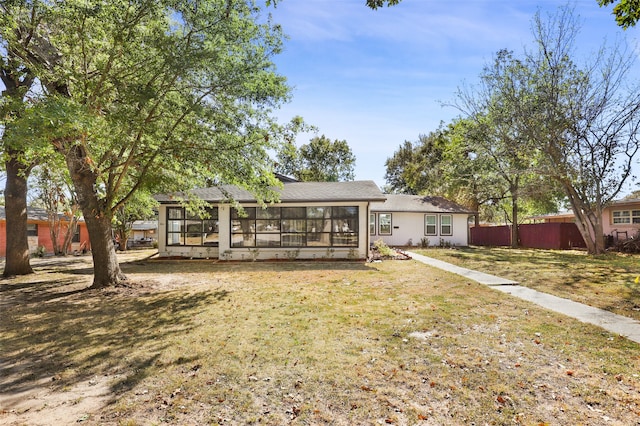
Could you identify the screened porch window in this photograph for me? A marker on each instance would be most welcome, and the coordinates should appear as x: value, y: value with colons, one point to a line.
x: 320, y: 226
x: 185, y: 229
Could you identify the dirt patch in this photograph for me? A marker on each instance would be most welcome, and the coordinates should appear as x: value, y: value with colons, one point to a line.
x: 43, y: 403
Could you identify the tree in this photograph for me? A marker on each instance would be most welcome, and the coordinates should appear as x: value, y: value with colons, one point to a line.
x: 320, y: 160
x: 17, y: 24
x: 374, y: 4
x: 627, y: 12
x: 415, y: 168
x: 139, y: 207
x: 157, y: 96
x: 584, y: 121
x: 397, y: 167
x: 55, y: 193
x: 499, y: 137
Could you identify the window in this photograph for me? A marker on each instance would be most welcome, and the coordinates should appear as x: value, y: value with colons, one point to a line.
x: 322, y: 226
x: 76, y: 234
x: 32, y: 229
x: 372, y: 223
x: 430, y: 224
x: 185, y: 229
x: 446, y: 224
x: 384, y: 223
x: 626, y: 216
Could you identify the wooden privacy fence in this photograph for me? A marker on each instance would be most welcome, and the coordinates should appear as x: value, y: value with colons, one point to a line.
x: 561, y: 236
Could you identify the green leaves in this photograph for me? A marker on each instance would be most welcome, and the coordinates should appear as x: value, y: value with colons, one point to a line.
x: 627, y: 12
x: 319, y: 160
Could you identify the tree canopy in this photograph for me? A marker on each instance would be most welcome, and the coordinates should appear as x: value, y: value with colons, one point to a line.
x: 153, y: 96
x: 319, y: 160
x: 537, y: 126
x: 627, y: 12
x: 374, y: 4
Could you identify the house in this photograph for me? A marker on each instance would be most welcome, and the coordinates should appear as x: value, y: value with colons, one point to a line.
x: 39, y: 232
x: 620, y: 219
x: 143, y: 233
x: 312, y: 220
x: 405, y: 220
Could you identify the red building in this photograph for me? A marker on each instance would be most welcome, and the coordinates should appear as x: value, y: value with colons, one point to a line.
x: 39, y: 232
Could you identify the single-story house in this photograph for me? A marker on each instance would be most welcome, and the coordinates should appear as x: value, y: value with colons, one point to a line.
x: 620, y: 219
x: 312, y: 220
x: 406, y: 220
x: 39, y: 232
x: 143, y: 233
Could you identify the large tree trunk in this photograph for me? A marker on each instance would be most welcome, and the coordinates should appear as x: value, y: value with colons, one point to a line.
x: 97, y: 217
x: 589, y: 222
x: 17, y: 257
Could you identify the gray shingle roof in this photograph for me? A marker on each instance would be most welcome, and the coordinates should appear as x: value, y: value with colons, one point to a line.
x: 365, y: 190
x: 35, y: 214
x: 418, y: 203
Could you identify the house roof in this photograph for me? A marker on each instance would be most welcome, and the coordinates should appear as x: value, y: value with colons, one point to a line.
x: 36, y: 214
x: 418, y: 203
x: 291, y: 192
x: 144, y: 225
x: 626, y: 201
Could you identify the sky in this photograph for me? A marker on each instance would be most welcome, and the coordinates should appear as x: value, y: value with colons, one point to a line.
x: 379, y: 78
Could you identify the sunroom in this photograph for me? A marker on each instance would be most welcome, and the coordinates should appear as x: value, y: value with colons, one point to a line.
x: 312, y: 220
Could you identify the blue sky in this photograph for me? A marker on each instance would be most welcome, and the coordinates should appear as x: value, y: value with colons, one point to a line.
x: 378, y: 78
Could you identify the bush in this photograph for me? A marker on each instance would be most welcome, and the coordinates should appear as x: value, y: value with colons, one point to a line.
x: 383, y: 248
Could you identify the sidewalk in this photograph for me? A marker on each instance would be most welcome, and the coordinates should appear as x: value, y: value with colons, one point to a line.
x: 618, y: 324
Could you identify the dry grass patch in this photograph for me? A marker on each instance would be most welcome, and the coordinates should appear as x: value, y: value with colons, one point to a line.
x: 606, y: 281
x: 311, y: 343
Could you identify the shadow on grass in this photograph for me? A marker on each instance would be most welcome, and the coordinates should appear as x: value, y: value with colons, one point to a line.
x: 63, y: 338
x: 180, y: 266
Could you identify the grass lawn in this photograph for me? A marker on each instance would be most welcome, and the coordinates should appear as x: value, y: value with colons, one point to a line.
x: 606, y: 281
x: 340, y: 343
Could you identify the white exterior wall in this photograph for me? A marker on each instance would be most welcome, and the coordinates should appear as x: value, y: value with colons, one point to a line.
x: 224, y: 251
x: 407, y: 226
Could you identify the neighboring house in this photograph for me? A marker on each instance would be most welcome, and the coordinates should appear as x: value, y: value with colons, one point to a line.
x: 143, y: 233
x: 312, y: 220
x: 404, y: 220
x: 620, y: 220
x: 39, y: 234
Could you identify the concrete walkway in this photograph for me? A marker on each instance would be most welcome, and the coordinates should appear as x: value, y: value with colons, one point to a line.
x: 618, y: 324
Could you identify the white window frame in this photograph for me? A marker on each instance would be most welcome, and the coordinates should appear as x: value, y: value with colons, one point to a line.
x: 434, y: 224
x: 443, y: 224
x: 381, y: 224
x: 625, y: 217
x: 372, y: 223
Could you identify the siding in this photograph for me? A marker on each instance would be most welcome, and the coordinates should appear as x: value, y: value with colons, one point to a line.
x: 407, y: 226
